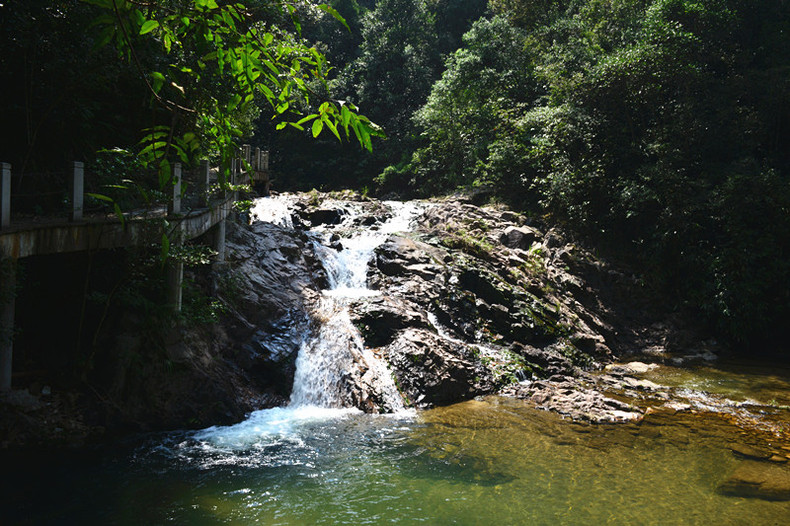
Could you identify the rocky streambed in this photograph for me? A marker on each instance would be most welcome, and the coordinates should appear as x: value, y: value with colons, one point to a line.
x: 477, y: 301
x: 472, y: 301
x: 468, y: 302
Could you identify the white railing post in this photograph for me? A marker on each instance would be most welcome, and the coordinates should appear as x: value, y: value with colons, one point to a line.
x: 234, y: 168
x: 174, y: 207
x: 204, y: 182
x: 175, y: 270
x: 77, y: 190
x: 5, y: 195
x: 245, y: 153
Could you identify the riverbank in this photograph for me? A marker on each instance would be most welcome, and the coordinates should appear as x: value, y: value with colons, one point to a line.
x: 474, y: 301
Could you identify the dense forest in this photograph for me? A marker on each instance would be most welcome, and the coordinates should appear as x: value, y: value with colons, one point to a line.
x: 656, y: 130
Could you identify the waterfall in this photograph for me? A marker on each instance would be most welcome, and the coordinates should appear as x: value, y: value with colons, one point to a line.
x: 326, y: 358
x: 328, y: 354
x: 275, y: 210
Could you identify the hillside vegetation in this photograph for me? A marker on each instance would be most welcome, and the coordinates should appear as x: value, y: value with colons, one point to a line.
x: 656, y: 130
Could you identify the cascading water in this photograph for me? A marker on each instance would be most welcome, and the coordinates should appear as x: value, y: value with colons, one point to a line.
x: 327, y: 357
x: 492, y: 460
x: 335, y: 347
x: 273, y: 210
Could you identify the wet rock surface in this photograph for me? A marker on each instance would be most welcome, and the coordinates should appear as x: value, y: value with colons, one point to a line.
x: 568, y: 397
x: 480, y: 300
x: 473, y: 301
x: 432, y: 370
x: 525, y: 302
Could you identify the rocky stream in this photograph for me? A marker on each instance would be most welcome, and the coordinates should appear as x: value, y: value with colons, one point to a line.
x: 502, y: 352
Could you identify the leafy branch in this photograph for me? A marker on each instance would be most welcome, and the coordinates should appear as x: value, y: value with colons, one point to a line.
x: 216, y: 63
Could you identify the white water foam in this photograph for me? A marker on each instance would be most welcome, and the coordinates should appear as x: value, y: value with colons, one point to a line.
x: 273, y: 209
x: 268, y: 426
x: 347, y: 269
x: 326, y: 356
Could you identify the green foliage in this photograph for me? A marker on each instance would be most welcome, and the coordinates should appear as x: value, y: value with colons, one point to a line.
x: 119, y: 180
x: 389, y: 74
x: 215, y: 63
x: 192, y: 255
x: 655, y: 127
x: 63, y: 98
x: 468, y: 107
x: 506, y: 366
x: 468, y: 244
x: 198, y: 309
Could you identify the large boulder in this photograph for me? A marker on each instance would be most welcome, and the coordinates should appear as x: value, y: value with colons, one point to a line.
x: 431, y: 370
x: 379, y: 319
x: 519, y: 237
x: 399, y: 256
x: 325, y: 216
x: 276, y: 272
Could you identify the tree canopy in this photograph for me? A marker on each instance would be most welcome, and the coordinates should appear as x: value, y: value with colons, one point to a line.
x: 655, y: 129
x: 201, y: 71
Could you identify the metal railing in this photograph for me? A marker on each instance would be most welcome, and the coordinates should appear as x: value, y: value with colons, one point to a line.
x: 79, y: 194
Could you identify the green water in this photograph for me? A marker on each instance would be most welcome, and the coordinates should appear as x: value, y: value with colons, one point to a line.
x: 734, y: 380
x: 491, y: 461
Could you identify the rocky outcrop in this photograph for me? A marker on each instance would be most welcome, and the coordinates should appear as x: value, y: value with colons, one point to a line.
x: 380, y: 319
x: 431, y: 370
x: 476, y: 300
x: 568, y: 397
x: 528, y: 304
x: 210, y: 373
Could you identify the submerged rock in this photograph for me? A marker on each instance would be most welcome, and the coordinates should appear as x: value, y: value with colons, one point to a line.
x: 750, y: 452
x: 762, y: 480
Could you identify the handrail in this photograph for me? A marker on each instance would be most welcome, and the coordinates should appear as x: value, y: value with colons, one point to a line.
x: 194, y: 211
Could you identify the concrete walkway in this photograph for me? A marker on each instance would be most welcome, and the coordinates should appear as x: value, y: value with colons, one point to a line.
x: 44, y: 236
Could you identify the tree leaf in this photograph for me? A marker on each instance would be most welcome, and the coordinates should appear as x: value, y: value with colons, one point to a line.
x: 318, y: 125
x: 159, y: 81
x: 345, y: 116
x: 149, y: 26
x: 332, y: 11
x: 331, y: 126
x: 307, y: 118
x: 118, y: 213
x: 234, y: 102
x: 100, y: 197
x: 165, y: 251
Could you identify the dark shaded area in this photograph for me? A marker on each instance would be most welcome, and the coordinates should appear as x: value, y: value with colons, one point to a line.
x: 61, y: 305
x: 63, y: 98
